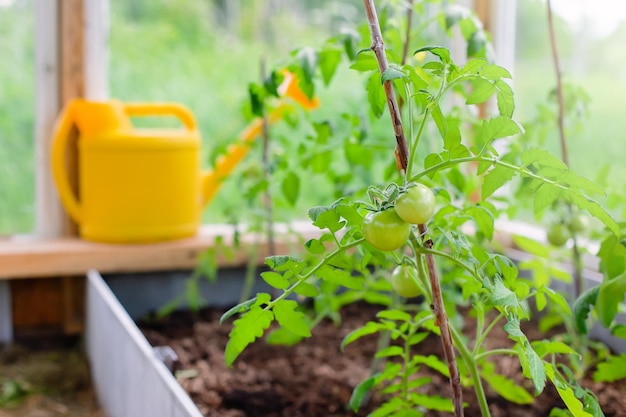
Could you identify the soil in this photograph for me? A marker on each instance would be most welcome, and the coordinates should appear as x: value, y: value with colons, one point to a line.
x: 314, y: 378
x: 50, y: 382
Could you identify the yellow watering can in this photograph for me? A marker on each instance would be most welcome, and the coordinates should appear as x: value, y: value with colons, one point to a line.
x: 142, y: 185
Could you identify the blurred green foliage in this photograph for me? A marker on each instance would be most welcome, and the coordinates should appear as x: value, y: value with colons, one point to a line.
x: 205, y: 53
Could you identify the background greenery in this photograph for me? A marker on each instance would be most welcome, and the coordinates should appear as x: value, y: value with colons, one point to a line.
x: 204, y: 54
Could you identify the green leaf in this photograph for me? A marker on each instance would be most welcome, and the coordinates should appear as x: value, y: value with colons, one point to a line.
x: 439, y: 119
x: 613, y: 369
x: 495, y: 179
x: 282, y: 337
x: 256, y: 94
x: 512, y: 327
x: 505, y: 97
x: 360, y: 392
x: 275, y: 280
x: 557, y: 299
x: 483, y: 219
x: 538, y: 156
x: 376, y: 95
x: 619, y: 330
x: 432, y: 362
x: 281, y: 262
x: 610, y: 297
x: 246, y: 330
x: 498, y: 127
x: 482, y: 91
x: 365, y: 61
x: 566, y: 393
x: 349, y: 213
x: 508, y: 389
x: 495, y: 72
x: 370, y: 327
x: 314, y: 246
x: 291, y: 187
x: 340, y: 277
x: 440, y: 51
x: 431, y: 402
x: 544, y: 196
x: 585, y: 203
x: 398, y: 315
x: 325, y: 218
x: 329, y: 60
x: 454, y: 13
x: 390, y: 351
x: 393, y: 72
x: 532, y: 246
x: 535, y: 368
x: 291, y: 319
x: 307, y: 58
x: 547, y: 347
x: 241, y: 307
x: 306, y: 290
x: 582, y: 307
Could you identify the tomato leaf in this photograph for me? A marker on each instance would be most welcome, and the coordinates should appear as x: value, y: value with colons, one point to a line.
x: 507, y: 388
x: 393, y: 72
x: 610, y: 296
x: 275, y: 280
x: 612, y: 369
x: 291, y: 187
x: 329, y: 59
x: 291, y: 319
x: 376, y: 94
x: 246, y: 330
x: 439, y: 51
x: 361, y: 391
x: 582, y: 307
x: 495, y: 179
x: 574, y: 405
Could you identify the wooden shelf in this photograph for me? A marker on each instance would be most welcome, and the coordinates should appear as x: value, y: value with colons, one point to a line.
x: 28, y: 257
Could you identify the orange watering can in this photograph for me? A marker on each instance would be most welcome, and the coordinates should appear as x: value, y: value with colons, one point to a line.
x: 142, y: 185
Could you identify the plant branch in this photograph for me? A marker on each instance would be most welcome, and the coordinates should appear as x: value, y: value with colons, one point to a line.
x: 559, y: 84
x: 407, y: 36
x: 441, y: 319
x: 402, y: 150
x: 577, y: 260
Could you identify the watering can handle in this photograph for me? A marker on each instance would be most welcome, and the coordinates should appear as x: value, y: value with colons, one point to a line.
x: 60, y: 140
x: 162, y: 109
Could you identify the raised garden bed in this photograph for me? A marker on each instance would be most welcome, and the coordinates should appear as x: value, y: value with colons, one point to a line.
x: 310, y: 379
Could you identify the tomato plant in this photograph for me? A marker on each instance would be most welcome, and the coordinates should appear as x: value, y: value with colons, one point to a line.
x: 416, y: 205
x: 363, y: 231
x: 385, y: 230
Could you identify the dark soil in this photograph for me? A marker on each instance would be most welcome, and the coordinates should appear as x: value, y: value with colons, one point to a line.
x: 49, y: 382
x: 316, y: 379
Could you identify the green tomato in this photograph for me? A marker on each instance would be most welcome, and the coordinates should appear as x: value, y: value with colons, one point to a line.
x: 403, y: 281
x: 580, y: 223
x: 558, y: 234
x: 416, y: 205
x: 385, y: 231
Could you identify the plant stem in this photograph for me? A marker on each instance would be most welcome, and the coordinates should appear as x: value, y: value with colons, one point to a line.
x: 441, y: 319
x: 579, y: 283
x: 472, y: 367
x: 559, y: 84
x: 402, y: 150
x: 407, y: 36
x: 402, y: 157
x: 267, y: 196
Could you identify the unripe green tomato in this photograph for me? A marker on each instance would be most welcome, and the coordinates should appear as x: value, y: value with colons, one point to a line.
x: 580, y: 223
x: 385, y: 231
x: 558, y: 234
x: 416, y: 205
x: 403, y: 281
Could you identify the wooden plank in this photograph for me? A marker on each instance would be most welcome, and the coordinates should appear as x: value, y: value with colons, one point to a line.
x: 30, y: 257
x: 36, y: 303
x: 50, y: 218
x: 96, y: 47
